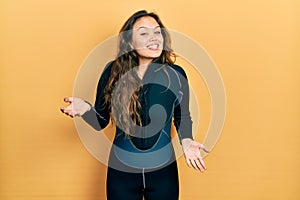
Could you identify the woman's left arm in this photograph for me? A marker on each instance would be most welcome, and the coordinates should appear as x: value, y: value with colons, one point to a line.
x: 183, y: 124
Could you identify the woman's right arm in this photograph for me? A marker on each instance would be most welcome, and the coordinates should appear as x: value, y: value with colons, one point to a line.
x: 98, y: 115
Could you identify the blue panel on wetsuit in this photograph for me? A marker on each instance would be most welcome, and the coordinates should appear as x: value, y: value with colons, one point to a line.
x: 158, y: 155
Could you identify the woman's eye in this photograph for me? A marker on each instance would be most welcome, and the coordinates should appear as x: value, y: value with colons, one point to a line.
x: 143, y: 34
x: 157, y: 32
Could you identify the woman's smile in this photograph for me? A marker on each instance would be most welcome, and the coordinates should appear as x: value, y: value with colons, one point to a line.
x: 153, y: 47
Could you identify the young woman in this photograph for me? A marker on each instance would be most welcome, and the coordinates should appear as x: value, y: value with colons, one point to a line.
x: 141, y: 91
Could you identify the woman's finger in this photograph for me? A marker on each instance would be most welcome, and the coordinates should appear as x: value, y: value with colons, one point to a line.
x: 199, y: 166
x: 71, y: 114
x: 188, y: 161
x: 194, y: 165
x: 202, y: 163
x: 66, y: 111
x: 204, y: 148
x: 68, y: 99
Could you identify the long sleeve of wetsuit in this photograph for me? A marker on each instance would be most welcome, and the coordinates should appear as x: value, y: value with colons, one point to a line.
x: 182, y: 116
x: 98, y: 116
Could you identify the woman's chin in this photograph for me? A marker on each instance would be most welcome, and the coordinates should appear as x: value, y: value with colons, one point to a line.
x: 152, y: 54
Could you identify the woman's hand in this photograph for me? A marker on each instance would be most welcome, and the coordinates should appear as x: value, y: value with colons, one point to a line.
x: 77, y: 107
x: 192, y: 154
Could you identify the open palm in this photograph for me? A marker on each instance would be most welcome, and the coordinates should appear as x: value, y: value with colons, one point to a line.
x: 192, y: 154
x: 77, y: 107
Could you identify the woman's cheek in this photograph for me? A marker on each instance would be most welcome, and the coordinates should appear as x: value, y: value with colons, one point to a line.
x: 140, y: 44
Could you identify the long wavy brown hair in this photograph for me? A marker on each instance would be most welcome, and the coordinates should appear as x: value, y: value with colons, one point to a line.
x: 125, y: 107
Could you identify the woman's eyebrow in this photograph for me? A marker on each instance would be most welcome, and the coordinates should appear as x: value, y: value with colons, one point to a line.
x: 147, y: 27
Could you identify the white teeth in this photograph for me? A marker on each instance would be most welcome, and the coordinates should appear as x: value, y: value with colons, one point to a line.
x: 154, y: 46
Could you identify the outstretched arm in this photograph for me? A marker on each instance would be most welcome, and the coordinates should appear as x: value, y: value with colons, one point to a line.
x: 183, y: 124
x: 96, y: 116
x: 81, y: 108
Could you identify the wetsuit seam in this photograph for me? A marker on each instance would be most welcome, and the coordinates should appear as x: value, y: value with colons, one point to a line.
x: 98, y: 114
x: 150, y: 149
x: 144, y: 179
x: 180, y: 85
x: 163, y: 131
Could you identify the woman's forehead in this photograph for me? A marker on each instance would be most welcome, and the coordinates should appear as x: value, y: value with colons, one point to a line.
x: 145, y: 22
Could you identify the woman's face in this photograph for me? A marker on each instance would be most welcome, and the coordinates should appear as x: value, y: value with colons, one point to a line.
x: 147, y: 38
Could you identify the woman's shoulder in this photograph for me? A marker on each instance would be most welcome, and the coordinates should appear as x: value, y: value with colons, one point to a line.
x: 108, y: 66
x: 178, y: 69
x: 107, y: 69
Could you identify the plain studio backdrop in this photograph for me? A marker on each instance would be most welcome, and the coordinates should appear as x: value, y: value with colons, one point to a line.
x: 255, y: 45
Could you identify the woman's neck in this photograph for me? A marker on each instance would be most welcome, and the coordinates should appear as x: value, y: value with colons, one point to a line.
x: 143, y: 66
x: 145, y: 61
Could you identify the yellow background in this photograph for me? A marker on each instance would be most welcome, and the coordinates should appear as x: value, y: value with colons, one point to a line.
x: 255, y: 45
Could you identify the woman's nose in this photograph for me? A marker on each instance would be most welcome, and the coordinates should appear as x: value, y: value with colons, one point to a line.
x: 152, y: 37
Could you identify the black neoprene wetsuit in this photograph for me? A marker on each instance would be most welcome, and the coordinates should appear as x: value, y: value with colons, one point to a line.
x: 145, y: 165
